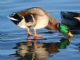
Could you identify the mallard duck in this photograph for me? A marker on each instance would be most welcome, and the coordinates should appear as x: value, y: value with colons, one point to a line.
x: 71, y: 19
x: 37, y: 18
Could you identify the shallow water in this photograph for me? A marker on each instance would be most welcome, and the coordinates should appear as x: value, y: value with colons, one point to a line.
x: 10, y: 34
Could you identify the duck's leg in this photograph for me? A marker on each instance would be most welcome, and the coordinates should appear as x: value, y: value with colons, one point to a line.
x: 28, y: 41
x: 36, y: 35
x: 28, y: 37
x: 28, y: 31
x: 35, y: 38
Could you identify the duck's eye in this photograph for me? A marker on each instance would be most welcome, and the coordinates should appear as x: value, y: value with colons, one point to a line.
x: 28, y: 18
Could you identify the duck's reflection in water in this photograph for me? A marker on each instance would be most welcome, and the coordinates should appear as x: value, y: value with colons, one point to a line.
x: 42, y: 51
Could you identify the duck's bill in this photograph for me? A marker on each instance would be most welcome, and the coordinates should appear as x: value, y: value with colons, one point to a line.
x: 12, y: 18
x: 70, y: 34
x: 15, y: 21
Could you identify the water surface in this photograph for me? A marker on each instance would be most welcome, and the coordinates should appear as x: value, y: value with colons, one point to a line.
x: 11, y: 35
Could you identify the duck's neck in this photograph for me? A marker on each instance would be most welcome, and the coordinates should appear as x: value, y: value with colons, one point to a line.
x: 52, y: 24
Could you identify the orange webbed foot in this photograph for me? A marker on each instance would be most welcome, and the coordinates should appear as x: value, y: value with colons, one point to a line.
x: 37, y: 36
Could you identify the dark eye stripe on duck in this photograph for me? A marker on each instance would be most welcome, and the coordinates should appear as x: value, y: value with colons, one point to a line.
x: 28, y: 18
x: 17, y: 17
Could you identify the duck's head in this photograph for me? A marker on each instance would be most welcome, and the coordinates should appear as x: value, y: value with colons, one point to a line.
x: 22, y: 21
x: 64, y: 29
x: 15, y: 17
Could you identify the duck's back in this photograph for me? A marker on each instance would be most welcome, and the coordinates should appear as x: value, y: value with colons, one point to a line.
x: 33, y: 10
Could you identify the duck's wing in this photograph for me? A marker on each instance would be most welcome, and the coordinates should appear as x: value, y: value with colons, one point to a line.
x: 52, y: 24
x: 71, y: 19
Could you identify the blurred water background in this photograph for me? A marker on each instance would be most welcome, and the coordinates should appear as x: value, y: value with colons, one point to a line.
x: 10, y: 34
